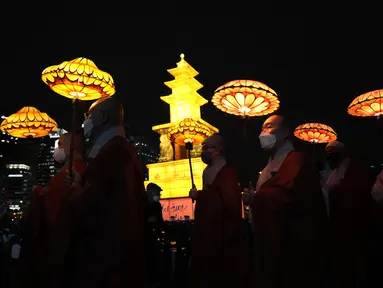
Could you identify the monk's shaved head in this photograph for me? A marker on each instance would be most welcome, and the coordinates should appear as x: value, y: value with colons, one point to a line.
x: 275, y: 133
x: 107, y: 111
x: 276, y: 122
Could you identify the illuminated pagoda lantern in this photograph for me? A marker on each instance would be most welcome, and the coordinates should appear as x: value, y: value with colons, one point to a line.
x: 369, y: 104
x: 78, y: 79
x: 28, y: 123
x: 315, y: 133
x: 172, y: 172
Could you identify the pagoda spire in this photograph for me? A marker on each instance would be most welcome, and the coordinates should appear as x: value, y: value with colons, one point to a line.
x: 185, y: 102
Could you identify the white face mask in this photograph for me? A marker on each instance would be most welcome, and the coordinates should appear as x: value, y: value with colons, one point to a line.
x: 88, y: 126
x: 267, y: 140
x: 156, y: 198
x: 59, y: 155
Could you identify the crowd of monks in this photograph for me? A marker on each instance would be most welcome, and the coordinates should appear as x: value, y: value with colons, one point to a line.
x: 87, y: 227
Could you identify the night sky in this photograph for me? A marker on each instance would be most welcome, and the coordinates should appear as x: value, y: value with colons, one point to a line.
x: 316, y: 58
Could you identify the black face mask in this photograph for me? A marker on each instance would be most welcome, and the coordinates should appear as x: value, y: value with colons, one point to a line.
x: 333, y: 159
x: 207, y: 157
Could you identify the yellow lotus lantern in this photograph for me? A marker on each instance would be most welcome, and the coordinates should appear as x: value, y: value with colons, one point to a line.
x: 189, y: 131
x: 28, y: 122
x: 246, y: 98
x: 79, y: 79
x: 315, y: 133
x: 367, y: 105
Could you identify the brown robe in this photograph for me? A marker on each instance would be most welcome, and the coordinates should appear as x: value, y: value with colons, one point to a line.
x: 110, y: 216
x: 218, y: 256
x: 289, y: 219
x: 350, y: 207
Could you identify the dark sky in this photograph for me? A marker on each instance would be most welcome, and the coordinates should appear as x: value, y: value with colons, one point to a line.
x: 316, y: 58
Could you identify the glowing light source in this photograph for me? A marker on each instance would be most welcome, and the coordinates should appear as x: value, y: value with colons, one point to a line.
x: 174, y: 176
x: 79, y: 79
x: 185, y: 102
x: 28, y: 122
x: 367, y: 104
x: 315, y: 133
x: 190, y: 131
x: 246, y: 98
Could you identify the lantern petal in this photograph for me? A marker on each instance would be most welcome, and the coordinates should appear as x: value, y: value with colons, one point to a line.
x: 315, y: 133
x: 71, y: 77
x: 189, y: 130
x: 28, y: 122
x: 246, y: 98
x: 367, y: 105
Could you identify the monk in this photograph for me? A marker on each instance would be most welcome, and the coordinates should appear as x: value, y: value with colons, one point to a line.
x: 47, y: 224
x: 289, y: 214
x: 109, y: 205
x: 350, y: 203
x: 218, y: 243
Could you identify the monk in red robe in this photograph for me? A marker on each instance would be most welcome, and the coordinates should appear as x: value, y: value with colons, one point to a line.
x: 218, y: 256
x: 350, y: 202
x: 288, y: 214
x: 109, y: 206
x: 47, y: 224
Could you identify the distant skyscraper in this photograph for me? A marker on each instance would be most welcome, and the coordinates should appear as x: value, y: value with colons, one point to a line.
x: 46, y: 164
x: 8, y: 148
x: 146, y: 154
x: 17, y: 183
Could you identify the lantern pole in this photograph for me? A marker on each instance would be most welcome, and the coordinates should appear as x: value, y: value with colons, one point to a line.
x: 245, y: 128
x: 71, y: 149
x: 189, y: 147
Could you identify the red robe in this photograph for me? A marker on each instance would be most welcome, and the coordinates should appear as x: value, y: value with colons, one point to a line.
x: 350, y: 207
x: 48, y: 231
x: 218, y: 256
x: 289, y: 218
x: 110, y: 216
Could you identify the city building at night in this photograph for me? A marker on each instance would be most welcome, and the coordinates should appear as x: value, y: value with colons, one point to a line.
x: 46, y: 164
x: 146, y: 154
x: 8, y: 149
x: 17, y: 183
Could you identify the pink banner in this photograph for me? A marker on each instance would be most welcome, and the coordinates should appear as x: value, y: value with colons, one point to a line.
x: 177, y: 207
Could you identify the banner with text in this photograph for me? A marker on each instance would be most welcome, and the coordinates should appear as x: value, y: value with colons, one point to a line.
x: 177, y: 207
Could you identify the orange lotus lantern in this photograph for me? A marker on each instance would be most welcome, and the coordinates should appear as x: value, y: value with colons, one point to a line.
x: 315, y: 133
x: 246, y: 98
x: 79, y: 79
x: 28, y: 122
x: 367, y: 105
x: 189, y: 131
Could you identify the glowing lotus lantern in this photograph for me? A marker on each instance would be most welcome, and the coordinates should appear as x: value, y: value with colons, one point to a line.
x: 79, y: 79
x: 189, y: 131
x: 28, y: 122
x: 367, y: 105
x: 246, y: 98
x: 315, y: 133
